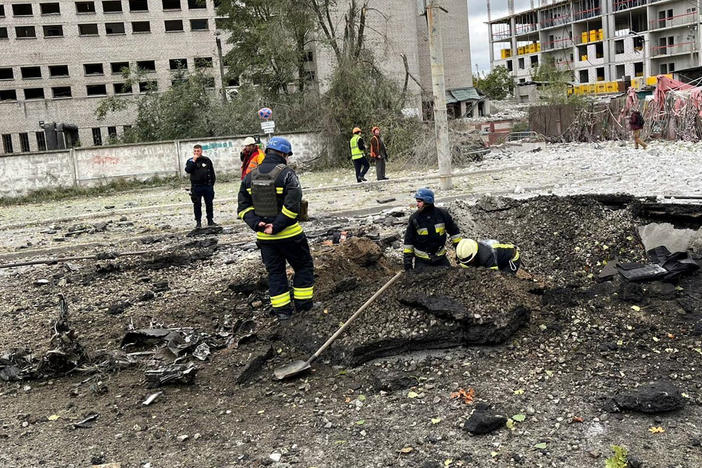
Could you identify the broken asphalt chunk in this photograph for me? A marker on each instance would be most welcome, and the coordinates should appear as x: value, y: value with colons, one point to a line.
x: 484, y: 421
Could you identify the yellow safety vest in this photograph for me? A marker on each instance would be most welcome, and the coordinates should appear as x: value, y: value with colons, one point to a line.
x: 356, y: 152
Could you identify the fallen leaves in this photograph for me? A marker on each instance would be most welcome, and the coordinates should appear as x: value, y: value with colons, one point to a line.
x: 577, y: 419
x: 519, y: 392
x: 406, y: 450
x: 540, y: 445
x: 466, y: 396
x: 519, y: 417
x: 635, y: 308
x: 435, y: 420
x: 656, y: 430
x: 53, y: 417
x: 412, y: 394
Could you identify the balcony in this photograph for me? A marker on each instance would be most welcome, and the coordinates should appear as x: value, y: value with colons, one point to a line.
x: 501, y: 35
x: 585, y: 14
x: 621, y: 5
x: 673, y: 21
x: 526, y: 28
x: 557, y: 44
x: 673, y: 49
x: 555, y: 21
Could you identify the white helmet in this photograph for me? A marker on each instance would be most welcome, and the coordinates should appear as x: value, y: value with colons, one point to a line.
x: 249, y: 141
x: 466, y: 250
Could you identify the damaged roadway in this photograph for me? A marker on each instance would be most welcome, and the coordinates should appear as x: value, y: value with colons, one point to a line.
x: 549, y: 351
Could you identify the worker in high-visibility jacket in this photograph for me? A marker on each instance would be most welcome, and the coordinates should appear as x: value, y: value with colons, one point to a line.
x: 488, y: 254
x: 251, y: 156
x: 358, y: 155
x: 426, y: 235
x: 269, y: 202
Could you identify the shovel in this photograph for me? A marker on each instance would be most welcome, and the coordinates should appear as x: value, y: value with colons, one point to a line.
x: 298, y: 367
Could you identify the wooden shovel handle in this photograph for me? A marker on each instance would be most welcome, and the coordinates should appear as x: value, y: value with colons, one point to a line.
x: 353, y: 317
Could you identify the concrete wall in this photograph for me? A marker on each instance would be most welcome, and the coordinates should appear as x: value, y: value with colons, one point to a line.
x: 27, y: 172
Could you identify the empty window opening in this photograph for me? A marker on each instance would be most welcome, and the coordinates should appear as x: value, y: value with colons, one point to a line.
x: 122, y: 88
x: 521, y: 63
x: 196, y: 4
x: 96, y: 90
x: 114, y: 28
x: 22, y: 9
x: 93, y: 69
x: 620, y: 71
x: 61, y: 92
x: 50, y: 8
x: 138, y: 5
x: 173, y: 25
x: 41, y: 141
x: 34, y: 93
x: 178, y: 64
x: 7, y: 143
x: 90, y: 29
x: 8, y: 95
x: 3, y: 33
x: 56, y: 71
x: 112, y: 6
x: 599, y: 50
x: 600, y: 72
x: 203, y: 62
x: 147, y: 86
x: 24, y: 32
x: 198, y: 25
x: 638, y: 69
x: 584, y: 78
x: 117, y: 68
x: 85, y: 7
x: 54, y: 30
x: 619, y: 47
x: 29, y: 73
x: 6, y: 74
x: 171, y: 4
x: 147, y: 65
x: 97, y: 136
x: 24, y: 142
x: 112, y: 133
x: 141, y: 27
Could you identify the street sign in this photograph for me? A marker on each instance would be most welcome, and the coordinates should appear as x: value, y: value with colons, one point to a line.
x: 268, y: 127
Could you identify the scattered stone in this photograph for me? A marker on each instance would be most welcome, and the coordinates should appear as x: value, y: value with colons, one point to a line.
x: 118, y: 307
x: 658, y: 397
x: 147, y: 296
x: 390, y: 380
x: 484, y: 421
x: 41, y: 282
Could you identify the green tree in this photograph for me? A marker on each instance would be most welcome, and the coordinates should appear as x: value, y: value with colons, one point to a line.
x: 497, y: 84
x: 554, y: 81
x: 269, y: 40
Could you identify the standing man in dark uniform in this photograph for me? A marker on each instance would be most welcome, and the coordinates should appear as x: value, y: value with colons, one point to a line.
x: 269, y: 202
x: 425, y: 238
x: 202, y: 180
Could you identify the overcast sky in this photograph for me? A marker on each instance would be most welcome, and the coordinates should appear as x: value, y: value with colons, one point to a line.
x: 477, y: 14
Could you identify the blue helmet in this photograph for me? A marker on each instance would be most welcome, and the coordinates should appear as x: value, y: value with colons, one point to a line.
x: 280, y: 144
x: 426, y: 195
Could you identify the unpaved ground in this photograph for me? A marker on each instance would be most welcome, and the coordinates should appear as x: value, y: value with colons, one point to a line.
x: 583, y: 344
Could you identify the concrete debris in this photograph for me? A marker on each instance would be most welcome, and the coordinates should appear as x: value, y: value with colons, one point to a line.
x: 657, y: 397
x: 171, y: 374
x: 484, y: 421
x: 664, y: 234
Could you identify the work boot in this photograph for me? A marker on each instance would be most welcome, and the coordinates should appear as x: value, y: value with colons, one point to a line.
x: 304, y: 306
x: 283, y: 315
x: 198, y: 225
x: 211, y: 223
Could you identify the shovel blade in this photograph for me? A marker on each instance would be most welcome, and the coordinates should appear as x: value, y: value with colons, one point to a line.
x: 291, y: 369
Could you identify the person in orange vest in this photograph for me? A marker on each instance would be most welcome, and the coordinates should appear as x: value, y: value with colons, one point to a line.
x: 251, y: 156
x: 378, y: 153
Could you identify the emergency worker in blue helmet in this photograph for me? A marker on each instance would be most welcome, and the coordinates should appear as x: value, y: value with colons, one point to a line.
x: 427, y: 232
x: 269, y: 202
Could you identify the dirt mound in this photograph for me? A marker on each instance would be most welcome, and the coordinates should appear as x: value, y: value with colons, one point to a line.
x: 434, y: 310
x: 562, y: 239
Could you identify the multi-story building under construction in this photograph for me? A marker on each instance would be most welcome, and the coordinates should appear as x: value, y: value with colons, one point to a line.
x: 600, y: 41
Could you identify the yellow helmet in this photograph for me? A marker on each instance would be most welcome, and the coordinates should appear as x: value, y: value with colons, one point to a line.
x: 356, y: 130
x: 466, y: 250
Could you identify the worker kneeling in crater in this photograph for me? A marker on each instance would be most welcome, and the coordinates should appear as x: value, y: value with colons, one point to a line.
x: 488, y: 254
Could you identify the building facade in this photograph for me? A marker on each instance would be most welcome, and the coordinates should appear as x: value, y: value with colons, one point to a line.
x: 60, y: 59
x: 600, y: 41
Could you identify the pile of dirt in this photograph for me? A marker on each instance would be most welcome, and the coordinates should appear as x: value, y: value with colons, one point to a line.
x: 562, y: 239
x: 434, y: 310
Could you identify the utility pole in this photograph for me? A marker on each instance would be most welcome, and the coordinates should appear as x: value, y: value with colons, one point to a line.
x: 221, y: 67
x: 436, y: 52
